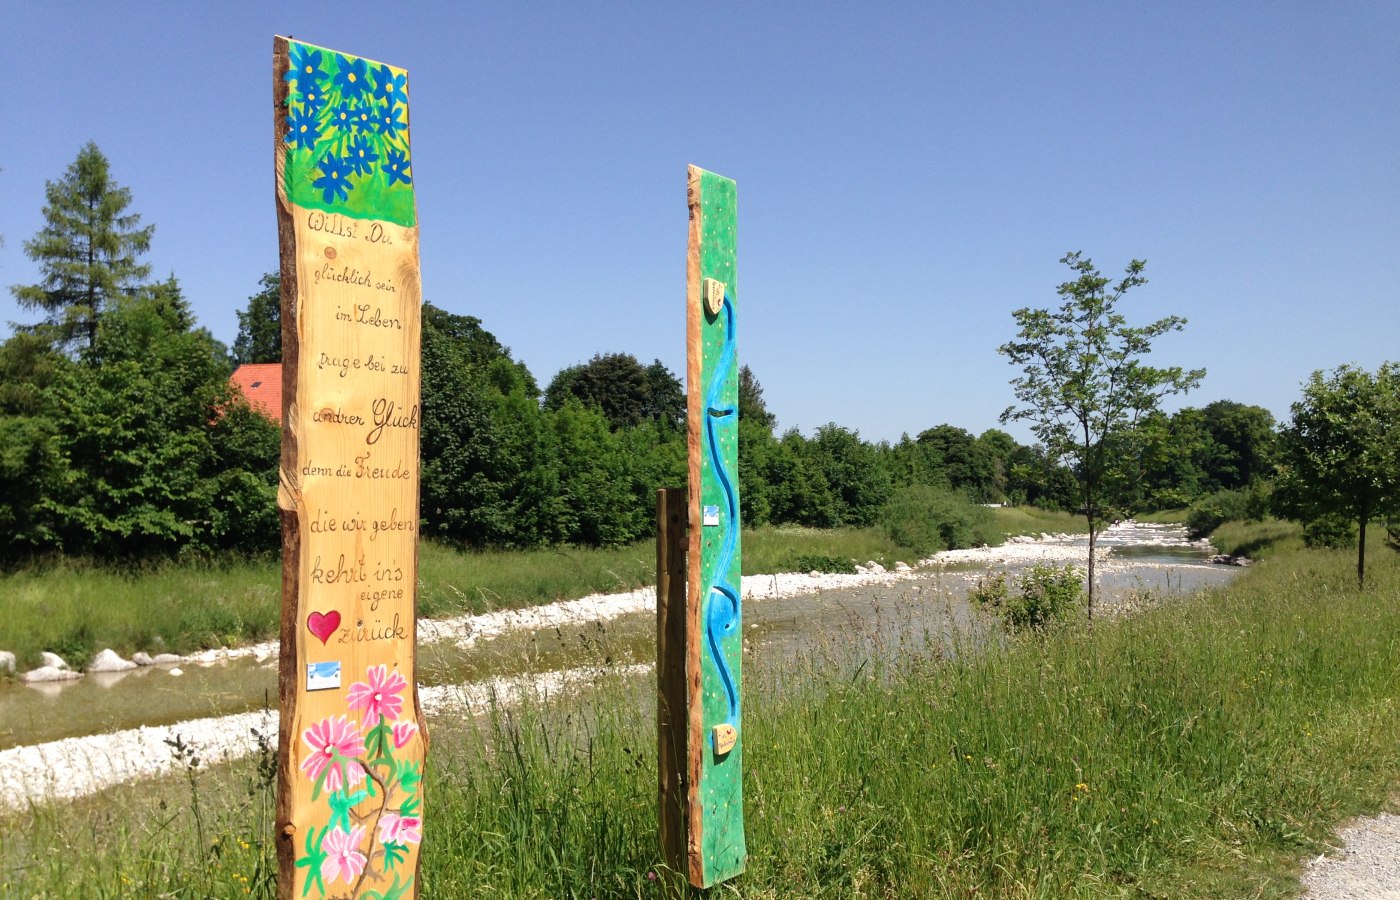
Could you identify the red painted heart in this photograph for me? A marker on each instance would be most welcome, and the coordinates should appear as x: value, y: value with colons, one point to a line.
x: 323, y: 625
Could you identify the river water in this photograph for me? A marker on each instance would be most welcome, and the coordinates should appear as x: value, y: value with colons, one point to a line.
x: 856, y: 622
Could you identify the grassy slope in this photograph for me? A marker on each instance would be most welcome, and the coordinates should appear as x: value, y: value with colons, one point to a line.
x: 1197, y: 749
x: 1030, y: 520
x: 76, y: 609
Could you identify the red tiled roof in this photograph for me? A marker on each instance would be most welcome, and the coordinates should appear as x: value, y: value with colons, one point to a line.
x: 261, y: 384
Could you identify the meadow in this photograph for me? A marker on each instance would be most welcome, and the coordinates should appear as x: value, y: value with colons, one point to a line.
x: 1199, y: 748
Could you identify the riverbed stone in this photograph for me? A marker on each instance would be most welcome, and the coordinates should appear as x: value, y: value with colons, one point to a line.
x: 177, y: 671
x: 142, y: 658
x: 7, y: 661
x: 109, y: 661
x: 49, y: 673
x: 49, y: 660
x: 166, y: 659
x: 874, y: 568
x: 902, y: 567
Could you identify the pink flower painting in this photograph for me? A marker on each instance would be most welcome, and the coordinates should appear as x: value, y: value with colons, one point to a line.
x: 403, y: 733
x: 343, y: 857
x: 327, y: 739
x: 397, y: 829
x: 380, y: 695
x: 367, y: 769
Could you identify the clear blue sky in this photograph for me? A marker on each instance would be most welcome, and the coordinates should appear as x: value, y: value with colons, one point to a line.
x: 908, y: 175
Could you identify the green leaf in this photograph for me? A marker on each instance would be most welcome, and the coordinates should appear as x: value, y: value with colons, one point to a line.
x: 394, y: 853
x: 341, y: 803
x: 410, y: 774
x: 313, y: 859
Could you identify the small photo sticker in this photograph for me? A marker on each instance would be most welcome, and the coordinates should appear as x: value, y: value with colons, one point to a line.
x: 711, y: 515
x: 322, y: 676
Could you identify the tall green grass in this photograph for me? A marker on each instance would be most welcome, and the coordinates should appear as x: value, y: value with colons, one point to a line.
x: 1030, y: 520
x: 1258, y: 539
x: 1163, y: 516
x: 788, y: 547
x: 1200, y: 748
x: 75, y: 608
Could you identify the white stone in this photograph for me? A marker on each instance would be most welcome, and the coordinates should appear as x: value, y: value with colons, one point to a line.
x: 874, y: 568
x: 862, y: 570
x: 49, y: 673
x: 902, y: 567
x: 108, y: 661
x: 52, y: 661
x: 142, y: 658
x: 166, y: 659
x: 261, y: 653
x: 177, y: 671
x: 7, y: 661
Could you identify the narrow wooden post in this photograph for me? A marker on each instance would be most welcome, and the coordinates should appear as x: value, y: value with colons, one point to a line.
x: 352, y: 745
x: 672, y: 723
x: 714, y: 639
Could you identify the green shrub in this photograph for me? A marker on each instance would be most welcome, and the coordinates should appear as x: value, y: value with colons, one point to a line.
x: 1330, y: 532
x: 816, y: 562
x: 1213, y: 510
x: 1045, y: 597
x: 1208, y: 513
x: 927, y: 519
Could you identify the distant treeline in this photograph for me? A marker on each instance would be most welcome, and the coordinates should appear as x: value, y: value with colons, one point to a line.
x: 134, y: 446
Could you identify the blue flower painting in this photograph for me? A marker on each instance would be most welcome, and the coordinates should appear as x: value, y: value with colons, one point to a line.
x: 362, y: 156
x: 346, y: 137
x: 303, y: 128
x: 334, y: 183
x: 397, y: 167
x: 305, y: 70
x: 352, y: 75
x: 390, y: 87
x: 389, y: 122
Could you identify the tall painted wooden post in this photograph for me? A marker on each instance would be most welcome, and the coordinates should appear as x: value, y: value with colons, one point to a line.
x: 350, y: 815
x: 713, y: 812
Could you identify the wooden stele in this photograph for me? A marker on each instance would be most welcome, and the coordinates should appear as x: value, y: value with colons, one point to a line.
x: 715, y: 745
x: 352, y: 745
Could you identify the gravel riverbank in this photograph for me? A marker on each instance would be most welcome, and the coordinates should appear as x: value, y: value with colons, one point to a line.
x: 77, y: 766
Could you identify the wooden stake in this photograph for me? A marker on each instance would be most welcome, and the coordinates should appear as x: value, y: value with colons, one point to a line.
x: 671, y: 720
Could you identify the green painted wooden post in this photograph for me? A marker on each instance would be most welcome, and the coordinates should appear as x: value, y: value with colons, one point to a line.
x: 715, y: 807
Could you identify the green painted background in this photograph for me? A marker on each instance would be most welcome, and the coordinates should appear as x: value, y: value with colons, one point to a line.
x: 721, y: 780
x: 356, y: 128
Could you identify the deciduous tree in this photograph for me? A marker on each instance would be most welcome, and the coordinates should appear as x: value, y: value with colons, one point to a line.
x: 259, y: 337
x: 625, y: 391
x: 1084, y: 385
x: 1341, y: 451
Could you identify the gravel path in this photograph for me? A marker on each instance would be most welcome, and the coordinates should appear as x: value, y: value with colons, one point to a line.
x: 1367, y: 865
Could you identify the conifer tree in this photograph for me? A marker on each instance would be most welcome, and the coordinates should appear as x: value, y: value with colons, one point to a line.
x: 88, y: 250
